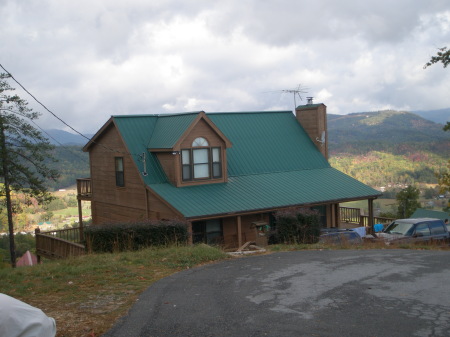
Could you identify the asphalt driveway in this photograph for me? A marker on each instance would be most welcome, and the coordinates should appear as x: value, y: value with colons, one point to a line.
x: 307, y: 293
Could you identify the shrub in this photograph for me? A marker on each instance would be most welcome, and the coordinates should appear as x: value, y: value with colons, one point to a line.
x: 298, y: 225
x: 115, y: 237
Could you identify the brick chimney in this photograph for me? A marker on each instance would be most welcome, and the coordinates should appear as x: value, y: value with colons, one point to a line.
x: 313, y: 118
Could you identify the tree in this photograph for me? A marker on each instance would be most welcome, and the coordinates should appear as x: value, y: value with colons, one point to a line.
x: 442, y: 56
x: 24, y: 155
x: 408, y: 201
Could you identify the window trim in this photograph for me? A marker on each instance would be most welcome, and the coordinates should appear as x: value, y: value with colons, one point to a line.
x: 188, y: 164
x: 119, y: 172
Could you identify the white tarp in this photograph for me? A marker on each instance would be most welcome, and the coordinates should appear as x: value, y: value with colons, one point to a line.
x: 18, y: 319
x: 360, y: 230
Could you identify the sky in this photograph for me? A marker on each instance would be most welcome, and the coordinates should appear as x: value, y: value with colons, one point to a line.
x: 86, y: 60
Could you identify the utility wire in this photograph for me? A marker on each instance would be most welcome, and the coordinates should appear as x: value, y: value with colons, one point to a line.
x: 29, y: 93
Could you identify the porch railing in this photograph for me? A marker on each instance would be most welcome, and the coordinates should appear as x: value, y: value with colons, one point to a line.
x: 354, y: 216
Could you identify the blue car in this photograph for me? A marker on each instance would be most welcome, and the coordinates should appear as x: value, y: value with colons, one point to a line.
x: 333, y: 236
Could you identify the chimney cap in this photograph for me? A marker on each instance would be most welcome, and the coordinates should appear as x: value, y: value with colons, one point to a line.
x: 309, y: 100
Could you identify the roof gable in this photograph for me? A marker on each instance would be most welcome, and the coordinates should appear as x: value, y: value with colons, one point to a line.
x: 171, y: 130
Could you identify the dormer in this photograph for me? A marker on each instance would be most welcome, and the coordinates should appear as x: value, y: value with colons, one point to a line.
x: 197, y: 152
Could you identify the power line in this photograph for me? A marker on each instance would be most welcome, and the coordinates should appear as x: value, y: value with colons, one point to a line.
x: 94, y: 142
x: 29, y: 93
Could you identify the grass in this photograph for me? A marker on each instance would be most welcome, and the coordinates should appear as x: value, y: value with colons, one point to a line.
x: 86, y: 295
x: 71, y: 211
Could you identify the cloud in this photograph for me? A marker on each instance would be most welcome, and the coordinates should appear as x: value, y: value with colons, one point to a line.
x: 89, y: 60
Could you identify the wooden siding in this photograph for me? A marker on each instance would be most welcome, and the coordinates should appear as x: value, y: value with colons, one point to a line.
x: 169, y: 162
x: 158, y: 209
x: 109, y: 202
x: 202, y: 129
x: 230, y: 228
x: 105, y: 212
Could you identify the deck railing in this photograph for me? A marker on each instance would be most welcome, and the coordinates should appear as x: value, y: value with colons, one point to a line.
x: 59, y: 244
x: 354, y: 216
x: 68, y: 234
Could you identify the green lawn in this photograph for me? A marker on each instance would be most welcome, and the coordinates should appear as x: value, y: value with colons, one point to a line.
x: 71, y: 211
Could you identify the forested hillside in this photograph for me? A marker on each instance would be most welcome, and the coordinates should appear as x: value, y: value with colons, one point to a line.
x: 378, y: 148
x: 388, y: 147
x: 72, y: 163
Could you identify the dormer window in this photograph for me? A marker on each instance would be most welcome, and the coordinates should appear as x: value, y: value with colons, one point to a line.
x: 200, y: 141
x: 201, y: 161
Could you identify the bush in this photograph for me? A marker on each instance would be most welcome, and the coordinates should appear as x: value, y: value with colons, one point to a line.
x: 298, y: 225
x: 116, y: 237
x: 23, y: 242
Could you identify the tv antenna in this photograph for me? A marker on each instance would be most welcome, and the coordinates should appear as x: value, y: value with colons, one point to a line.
x: 296, y: 92
x: 142, y: 157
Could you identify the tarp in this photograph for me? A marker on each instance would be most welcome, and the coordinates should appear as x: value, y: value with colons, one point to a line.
x: 18, y: 319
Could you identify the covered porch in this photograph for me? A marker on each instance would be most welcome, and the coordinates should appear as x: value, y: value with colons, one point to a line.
x: 233, y: 231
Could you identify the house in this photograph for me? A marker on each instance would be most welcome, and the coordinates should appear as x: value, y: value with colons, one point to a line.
x: 427, y: 213
x: 224, y: 173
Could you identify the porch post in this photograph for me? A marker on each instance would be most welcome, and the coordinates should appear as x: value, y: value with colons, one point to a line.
x: 329, y: 214
x: 190, y: 239
x: 337, y: 216
x: 370, y: 219
x: 239, y: 231
x: 37, y: 231
x: 80, y: 220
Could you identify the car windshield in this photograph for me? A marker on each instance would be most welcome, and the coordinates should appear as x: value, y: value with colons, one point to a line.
x: 399, y: 228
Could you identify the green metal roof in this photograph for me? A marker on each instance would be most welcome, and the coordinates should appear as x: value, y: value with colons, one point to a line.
x: 136, y: 131
x: 426, y: 213
x: 169, y: 128
x: 267, y: 142
x: 272, y: 163
x: 264, y: 191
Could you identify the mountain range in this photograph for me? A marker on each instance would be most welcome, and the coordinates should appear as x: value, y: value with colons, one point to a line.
x: 385, y: 131
x: 388, y: 125
x: 373, y: 147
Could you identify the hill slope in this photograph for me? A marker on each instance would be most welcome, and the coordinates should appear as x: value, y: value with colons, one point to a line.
x: 441, y: 116
x: 377, y: 148
x: 388, y: 148
x: 390, y: 131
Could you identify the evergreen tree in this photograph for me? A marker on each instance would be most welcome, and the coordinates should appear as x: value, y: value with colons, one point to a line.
x: 408, y: 201
x: 24, y: 155
x: 442, y: 56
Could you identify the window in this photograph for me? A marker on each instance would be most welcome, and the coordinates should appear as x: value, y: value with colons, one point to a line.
x: 200, y: 141
x: 422, y: 229
x: 120, y: 180
x: 216, y: 162
x: 209, y: 231
x: 201, y: 162
x: 437, y: 228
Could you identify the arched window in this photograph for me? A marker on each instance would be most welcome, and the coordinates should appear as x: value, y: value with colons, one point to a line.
x: 200, y: 141
x: 201, y: 161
